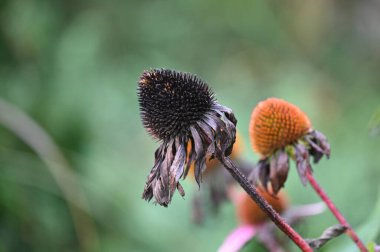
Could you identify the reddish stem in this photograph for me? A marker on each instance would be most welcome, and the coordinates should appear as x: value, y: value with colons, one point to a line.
x: 338, y: 215
x: 264, y: 205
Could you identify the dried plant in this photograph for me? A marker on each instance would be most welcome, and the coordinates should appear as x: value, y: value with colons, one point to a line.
x: 178, y: 108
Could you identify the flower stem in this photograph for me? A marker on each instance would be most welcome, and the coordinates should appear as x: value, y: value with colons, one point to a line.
x: 338, y: 215
x: 264, y: 205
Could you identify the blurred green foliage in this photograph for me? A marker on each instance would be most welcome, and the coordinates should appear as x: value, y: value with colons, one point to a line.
x: 73, y: 66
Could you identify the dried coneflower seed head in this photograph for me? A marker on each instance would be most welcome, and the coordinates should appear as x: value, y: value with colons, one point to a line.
x: 171, y: 101
x: 276, y: 123
x: 248, y: 212
x: 179, y: 109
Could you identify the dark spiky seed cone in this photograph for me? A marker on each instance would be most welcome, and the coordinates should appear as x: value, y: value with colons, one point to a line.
x: 180, y: 110
x: 170, y: 102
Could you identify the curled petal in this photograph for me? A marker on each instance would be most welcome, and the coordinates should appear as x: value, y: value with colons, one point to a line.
x: 177, y: 168
x: 212, y: 136
x: 319, y: 145
x: 302, y: 162
x: 327, y: 235
x: 279, y: 168
x: 323, y: 143
x: 260, y: 174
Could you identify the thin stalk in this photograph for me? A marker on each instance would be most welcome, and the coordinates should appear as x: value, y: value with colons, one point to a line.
x: 264, y: 205
x: 338, y: 215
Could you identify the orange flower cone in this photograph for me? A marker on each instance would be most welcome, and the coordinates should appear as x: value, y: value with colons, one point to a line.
x: 276, y: 123
x: 280, y: 130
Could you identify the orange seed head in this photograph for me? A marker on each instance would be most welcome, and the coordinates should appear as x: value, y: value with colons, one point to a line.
x: 276, y: 123
x: 248, y: 212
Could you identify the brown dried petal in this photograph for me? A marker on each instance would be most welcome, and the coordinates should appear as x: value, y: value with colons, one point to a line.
x: 279, y: 168
x: 302, y: 162
x: 319, y: 145
x: 180, y: 190
x: 177, y: 168
x: 199, y: 167
x: 260, y: 174
x: 323, y: 143
x: 327, y: 235
x: 212, y: 136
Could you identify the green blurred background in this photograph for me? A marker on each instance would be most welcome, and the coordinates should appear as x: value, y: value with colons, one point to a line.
x: 72, y: 67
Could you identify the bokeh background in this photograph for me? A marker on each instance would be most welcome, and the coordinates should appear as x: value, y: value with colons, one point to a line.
x: 74, y: 155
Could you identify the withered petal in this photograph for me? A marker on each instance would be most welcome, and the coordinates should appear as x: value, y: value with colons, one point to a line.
x: 316, y: 155
x: 260, y: 174
x: 207, y: 132
x: 302, y: 162
x: 279, y: 168
x: 197, y: 141
x: 327, y: 235
x: 212, y: 136
x: 180, y: 189
x: 323, y: 143
x: 199, y: 166
x: 177, y: 168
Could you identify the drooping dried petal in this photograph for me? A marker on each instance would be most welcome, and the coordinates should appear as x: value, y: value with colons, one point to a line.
x: 319, y: 145
x: 279, y: 168
x: 302, y: 162
x: 260, y: 174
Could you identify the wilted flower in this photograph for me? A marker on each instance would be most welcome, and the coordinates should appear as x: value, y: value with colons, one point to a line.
x: 279, y: 130
x: 177, y: 109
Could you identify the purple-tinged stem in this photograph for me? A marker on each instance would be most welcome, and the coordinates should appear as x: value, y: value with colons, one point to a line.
x: 338, y: 215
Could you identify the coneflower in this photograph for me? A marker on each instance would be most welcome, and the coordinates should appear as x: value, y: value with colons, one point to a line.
x: 178, y: 108
x: 280, y: 131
